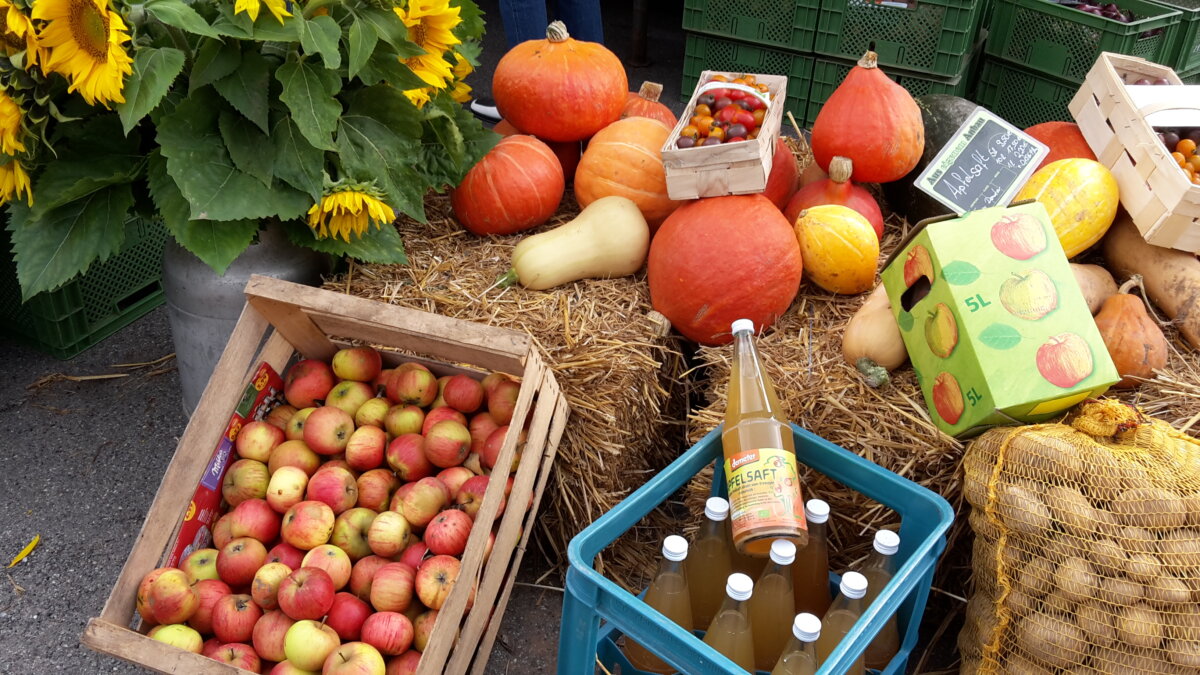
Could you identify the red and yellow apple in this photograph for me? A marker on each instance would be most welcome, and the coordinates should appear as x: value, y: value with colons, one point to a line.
x: 307, y: 525
x: 257, y: 439
x: 350, y: 532
x: 200, y: 564
x: 178, y: 635
x: 308, y: 643
x: 362, y: 364
x: 364, y: 450
x: 947, y: 398
x: 420, y: 504
x: 269, y: 633
x: 239, y: 655
x: 414, y: 386
x: 354, y: 658
x: 328, y: 429
x: 463, y: 393
x: 334, y: 486
x: 254, y: 518
x: 245, y: 479
x: 294, y: 453
x: 209, y: 591
x: 1019, y: 236
x: 392, y: 587
x: 307, y: 382
x: 372, y: 413
x: 264, y: 589
x: 287, y: 554
x: 402, y: 419
x: 435, y: 579
x: 306, y: 593
x: 441, y: 414
x: 347, y: 614
x: 917, y: 264
x: 363, y: 573
x: 234, y: 617
x: 389, y: 632
x: 447, y: 533
x: 333, y: 560
x: 941, y: 331
x: 239, y: 560
x: 294, y: 431
x: 375, y: 488
x: 406, y: 456
x: 388, y: 534
x: 349, y: 396
x: 279, y: 416
x: 1065, y: 360
x: 502, y: 401
x: 171, y: 597
x: 286, y: 488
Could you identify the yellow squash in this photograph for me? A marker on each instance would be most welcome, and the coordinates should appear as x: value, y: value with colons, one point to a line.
x: 1081, y: 197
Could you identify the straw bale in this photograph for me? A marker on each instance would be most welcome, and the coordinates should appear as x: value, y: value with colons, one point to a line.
x: 623, y: 380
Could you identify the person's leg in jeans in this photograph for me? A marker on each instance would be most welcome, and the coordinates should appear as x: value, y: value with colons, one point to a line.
x: 524, y: 20
x: 582, y: 18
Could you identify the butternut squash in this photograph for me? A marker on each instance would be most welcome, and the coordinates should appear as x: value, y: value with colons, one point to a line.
x: 872, y: 333
x: 609, y: 238
x: 1096, y: 283
x: 1171, y: 278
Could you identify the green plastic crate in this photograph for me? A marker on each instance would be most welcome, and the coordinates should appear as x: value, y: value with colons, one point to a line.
x: 1023, y: 97
x: 710, y: 53
x: 106, y: 298
x: 775, y: 23
x: 1064, y: 42
x: 931, y: 36
x: 1186, y: 46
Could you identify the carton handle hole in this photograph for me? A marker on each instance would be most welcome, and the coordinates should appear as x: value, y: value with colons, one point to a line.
x: 916, y: 292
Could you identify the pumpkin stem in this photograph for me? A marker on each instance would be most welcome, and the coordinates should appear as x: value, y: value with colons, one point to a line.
x: 557, y: 31
x: 651, y: 91
x: 505, y: 280
x: 869, y: 60
x: 840, y: 169
x: 1136, y: 280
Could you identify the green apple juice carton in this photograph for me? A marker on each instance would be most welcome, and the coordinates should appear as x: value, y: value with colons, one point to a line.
x: 994, y: 322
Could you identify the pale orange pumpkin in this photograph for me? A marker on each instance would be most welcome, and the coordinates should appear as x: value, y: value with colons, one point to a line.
x: 625, y: 159
x: 516, y: 186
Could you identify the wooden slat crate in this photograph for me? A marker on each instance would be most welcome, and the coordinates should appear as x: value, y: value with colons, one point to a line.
x: 1163, y: 203
x: 726, y: 169
x: 282, y: 319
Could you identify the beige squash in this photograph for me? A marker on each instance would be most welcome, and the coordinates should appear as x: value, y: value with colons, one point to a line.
x: 609, y: 238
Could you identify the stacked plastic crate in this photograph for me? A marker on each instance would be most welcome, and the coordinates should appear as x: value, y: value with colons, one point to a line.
x: 1038, y: 52
x: 1186, y: 46
x: 926, y: 46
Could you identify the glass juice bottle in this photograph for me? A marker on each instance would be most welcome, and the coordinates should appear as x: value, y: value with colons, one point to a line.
x: 730, y: 631
x: 879, y: 569
x: 760, y: 456
x: 810, y: 572
x: 773, y: 607
x: 842, y: 615
x: 800, y: 655
x: 668, y: 594
x: 708, y: 562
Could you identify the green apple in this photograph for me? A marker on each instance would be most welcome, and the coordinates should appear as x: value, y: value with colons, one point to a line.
x: 941, y: 331
x: 308, y: 643
x: 1030, y: 295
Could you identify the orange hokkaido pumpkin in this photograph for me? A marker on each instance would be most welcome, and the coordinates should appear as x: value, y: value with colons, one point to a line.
x: 567, y: 152
x: 784, y: 178
x: 1081, y: 197
x: 873, y: 121
x: 644, y: 103
x: 723, y: 258
x: 1064, y: 140
x: 625, y: 159
x: 516, y: 186
x: 560, y: 88
x: 839, y: 247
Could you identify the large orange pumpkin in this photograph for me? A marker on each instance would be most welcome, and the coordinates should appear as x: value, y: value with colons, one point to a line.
x: 784, y: 179
x: 1064, y: 140
x: 720, y: 259
x: 560, y: 88
x: 644, y: 103
x: 516, y: 186
x: 625, y: 159
x: 568, y: 152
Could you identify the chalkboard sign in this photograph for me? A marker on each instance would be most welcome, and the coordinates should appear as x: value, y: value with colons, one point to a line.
x: 984, y: 164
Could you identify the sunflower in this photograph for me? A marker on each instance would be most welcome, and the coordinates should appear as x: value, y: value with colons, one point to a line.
x: 13, y: 182
x: 10, y: 125
x: 17, y: 33
x: 251, y: 7
x: 83, y: 41
x: 430, y: 25
x: 461, y: 91
x: 349, y: 208
x: 419, y: 97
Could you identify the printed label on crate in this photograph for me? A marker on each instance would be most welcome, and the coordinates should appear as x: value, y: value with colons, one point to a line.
x: 764, y: 489
x: 260, y: 395
x: 984, y: 165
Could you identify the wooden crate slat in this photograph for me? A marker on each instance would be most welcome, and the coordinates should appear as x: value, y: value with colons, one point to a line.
x: 161, y: 657
x: 296, y: 327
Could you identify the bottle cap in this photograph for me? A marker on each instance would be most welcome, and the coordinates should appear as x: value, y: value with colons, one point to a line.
x: 783, y: 552
x: 743, y: 325
x: 887, y: 542
x: 675, y: 548
x: 816, y: 511
x: 806, y: 627
x: 854, y: 585
x: 740, y: 587
x: 716, y: 508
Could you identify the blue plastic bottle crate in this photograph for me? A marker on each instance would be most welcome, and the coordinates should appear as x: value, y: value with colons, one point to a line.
x: 591, y: 598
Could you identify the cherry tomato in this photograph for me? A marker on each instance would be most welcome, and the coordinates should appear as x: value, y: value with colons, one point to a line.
x: 718, y: 94
x: 750, y: 79
x: 706, y: 99
x: 704, y: 124
x: 689, y: 131
x: 744, y: 118
x: 719, y: 78
x: 703, y: 109
x: 758, y: 116
x: 1194, y: 162
x: 737, y: 95
x: 753, y: 103
x: 717, y: 132
x: 763, y: 88
x: 1187, y: 146
x: 731, y: 114
x: 712, y: 140
x: 739, y: 80
x: 736, y: 130
x: 735, y: 139
x: 685, y: 142
x: 752, y: 135
x: 721, y: 103
x: 1178, y: 157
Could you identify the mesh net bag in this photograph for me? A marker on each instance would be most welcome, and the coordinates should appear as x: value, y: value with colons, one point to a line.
x: 1087, y: 546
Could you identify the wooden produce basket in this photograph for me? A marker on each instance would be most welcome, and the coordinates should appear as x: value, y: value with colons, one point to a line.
x: 728, y: 169
x: 281, y: 320
x: 1161, y: 200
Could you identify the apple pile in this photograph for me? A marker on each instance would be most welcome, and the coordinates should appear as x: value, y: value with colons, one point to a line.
x: 349, y: 511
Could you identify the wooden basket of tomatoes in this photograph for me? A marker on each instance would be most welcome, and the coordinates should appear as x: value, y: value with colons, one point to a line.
x: 724, y: 141
x: 1159, y: 184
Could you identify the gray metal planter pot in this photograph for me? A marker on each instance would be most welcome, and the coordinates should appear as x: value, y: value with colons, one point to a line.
x: 203, y: 307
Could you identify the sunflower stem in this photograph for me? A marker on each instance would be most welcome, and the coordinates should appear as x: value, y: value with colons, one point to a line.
x: 181, y: 43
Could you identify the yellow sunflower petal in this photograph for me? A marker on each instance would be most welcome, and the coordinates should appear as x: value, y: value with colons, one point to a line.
x: 84, y: 42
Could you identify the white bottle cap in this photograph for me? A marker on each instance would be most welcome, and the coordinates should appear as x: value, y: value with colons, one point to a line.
x: 716, y: 508
x: 740, y: 587
x: 783, y: 552
x: 806, y: 627
x: 675, y: 548
x: 887, y: 542
x: 816, y: 511
x: 743, y: 325
x: 854, y: 585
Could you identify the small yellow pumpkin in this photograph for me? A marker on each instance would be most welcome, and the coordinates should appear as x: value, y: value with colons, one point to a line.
x: 839, y: 248
x: 1081, y: 197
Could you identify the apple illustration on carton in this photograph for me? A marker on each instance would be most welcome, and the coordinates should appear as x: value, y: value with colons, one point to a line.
x: 993, y: 320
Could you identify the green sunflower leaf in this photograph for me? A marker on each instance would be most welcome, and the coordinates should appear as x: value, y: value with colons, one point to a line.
x: 309, y: 91
x: 361, y: 42
x: 217, y: 243
x: 154, y: 70
x: 297, y: 162
x: 96, y: 155
x: 320, y: 35
x: 390, y: 29
x: 385, y: 65
x: 246, y: 88
x: 180, y: 15
x: 62, y: 243
x: 471, y: 25
x: 368, y: 149
x: 471, y: 51
x: 207, y: 177
x: 214, y: 60
x: 249, y: 148
x: 268, y: 28
x: 232, y: 24
x: 453, y: 141
x: 377, y: 245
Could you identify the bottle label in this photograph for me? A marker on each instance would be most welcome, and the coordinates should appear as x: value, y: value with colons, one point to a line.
x: 764, y: 490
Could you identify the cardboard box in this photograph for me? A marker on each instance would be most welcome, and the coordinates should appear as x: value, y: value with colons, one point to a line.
x: 283, y: 321
x: 993, y: 320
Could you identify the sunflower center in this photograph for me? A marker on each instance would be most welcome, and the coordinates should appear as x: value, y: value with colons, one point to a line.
x: 89, y: 28
x: 418, y: 33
